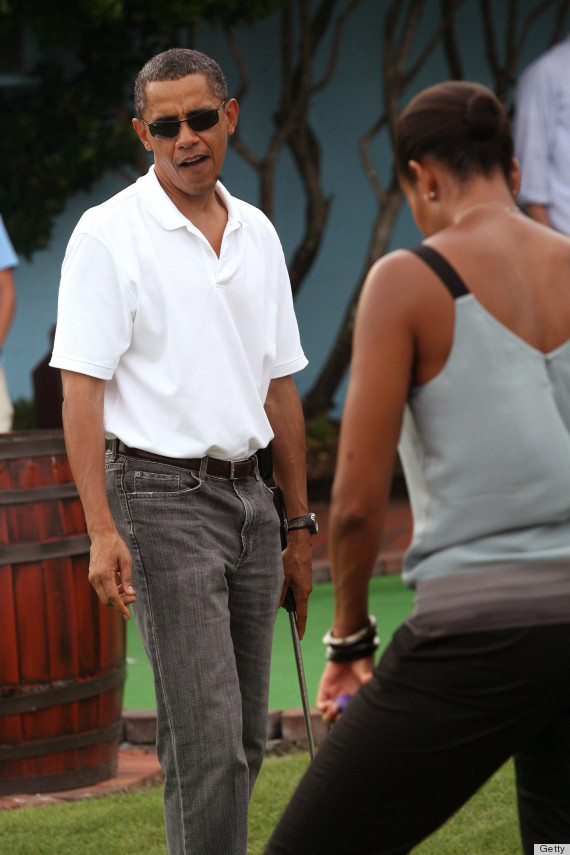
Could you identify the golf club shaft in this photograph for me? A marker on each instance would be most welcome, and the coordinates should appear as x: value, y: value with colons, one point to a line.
x: 300, y: 672
x: 290, y: 605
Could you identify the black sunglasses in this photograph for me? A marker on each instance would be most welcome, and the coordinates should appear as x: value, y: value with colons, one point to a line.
x: 200, y: 121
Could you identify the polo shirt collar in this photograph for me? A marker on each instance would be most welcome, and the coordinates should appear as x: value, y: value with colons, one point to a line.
x: 163, y: 209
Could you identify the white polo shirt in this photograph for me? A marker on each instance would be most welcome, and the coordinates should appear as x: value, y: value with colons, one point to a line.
x: 187, y: 342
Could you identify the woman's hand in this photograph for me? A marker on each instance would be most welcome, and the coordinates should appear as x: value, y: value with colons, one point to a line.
x: 341, y: 678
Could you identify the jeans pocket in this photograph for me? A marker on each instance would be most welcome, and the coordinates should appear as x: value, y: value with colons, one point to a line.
x: 146, y: 483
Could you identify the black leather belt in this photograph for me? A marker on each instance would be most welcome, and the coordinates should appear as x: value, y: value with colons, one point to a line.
x: 231, y: 469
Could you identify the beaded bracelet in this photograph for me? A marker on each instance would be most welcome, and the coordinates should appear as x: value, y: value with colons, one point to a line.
x: 349, y: 640
x: 359, y: 645
x: 362, y: 650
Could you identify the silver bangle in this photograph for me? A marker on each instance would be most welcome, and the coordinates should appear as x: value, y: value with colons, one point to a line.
x: 355, y: 638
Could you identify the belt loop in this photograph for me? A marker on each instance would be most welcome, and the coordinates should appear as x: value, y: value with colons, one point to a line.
x: 113, y: 448
x: 203, y: 468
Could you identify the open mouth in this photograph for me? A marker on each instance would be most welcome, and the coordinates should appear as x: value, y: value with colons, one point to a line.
x: 193, y: 161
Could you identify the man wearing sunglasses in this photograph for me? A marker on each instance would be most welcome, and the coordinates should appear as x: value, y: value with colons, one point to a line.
x: 177, y: 339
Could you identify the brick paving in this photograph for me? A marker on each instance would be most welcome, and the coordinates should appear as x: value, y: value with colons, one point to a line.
x: 138, y: 768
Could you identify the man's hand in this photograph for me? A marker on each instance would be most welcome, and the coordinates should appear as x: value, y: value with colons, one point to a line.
x: 341, y: 678
x: 298, y: 573
x: 110, y: 572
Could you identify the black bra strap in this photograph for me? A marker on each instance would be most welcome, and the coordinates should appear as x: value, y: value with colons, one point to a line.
x: 442, y: 268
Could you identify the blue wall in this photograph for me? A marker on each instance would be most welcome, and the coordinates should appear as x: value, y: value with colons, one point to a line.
x: 341, y: 113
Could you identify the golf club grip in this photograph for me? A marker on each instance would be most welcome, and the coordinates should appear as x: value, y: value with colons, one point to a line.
x: 289, y: 602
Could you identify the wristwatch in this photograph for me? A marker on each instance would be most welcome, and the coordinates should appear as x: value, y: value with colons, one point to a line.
x: 306, y: 521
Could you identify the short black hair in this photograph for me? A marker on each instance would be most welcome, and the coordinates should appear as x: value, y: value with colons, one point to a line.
x: 460, y: 124
x: 174, y: 64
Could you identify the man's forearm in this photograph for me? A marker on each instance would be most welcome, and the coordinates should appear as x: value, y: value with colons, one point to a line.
x: 110, y: 561
x: 85, y: 442
x: 7, y: 303
x: 285, y: 413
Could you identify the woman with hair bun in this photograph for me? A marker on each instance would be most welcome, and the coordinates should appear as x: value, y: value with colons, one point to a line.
x: 461, y: 354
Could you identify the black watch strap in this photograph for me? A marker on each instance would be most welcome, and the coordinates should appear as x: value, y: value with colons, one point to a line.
x: 305, y: 521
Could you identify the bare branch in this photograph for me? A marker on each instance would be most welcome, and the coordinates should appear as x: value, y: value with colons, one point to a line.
x: 487, y: 17
x: 337, y: 37
x: 287, y: 42
x: 239, y: 60
x: 504, y: 73
x: 395, y: 57
x: 451, y: 8
x: 306, y: 152
x: 512, y: 18
x: 449, y: 40
x: 533, y: 15
x: 409, y: 31
x: 291, y: 123
x: 559, y: 22
x: 364, y: 146
x: 237, y: 141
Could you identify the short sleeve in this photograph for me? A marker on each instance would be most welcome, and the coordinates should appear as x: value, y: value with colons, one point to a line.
x: 96, y: 310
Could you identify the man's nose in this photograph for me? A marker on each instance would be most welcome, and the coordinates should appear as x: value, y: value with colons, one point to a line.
x: 186, y: 135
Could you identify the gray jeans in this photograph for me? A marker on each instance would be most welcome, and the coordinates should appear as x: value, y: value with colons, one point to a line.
x: 208, y: 572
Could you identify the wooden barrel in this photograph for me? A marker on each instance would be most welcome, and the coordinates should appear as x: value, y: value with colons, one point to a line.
x: 62, y: 654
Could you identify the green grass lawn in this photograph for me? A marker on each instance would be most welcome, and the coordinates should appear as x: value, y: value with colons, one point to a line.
x: 390, y: 602
x: 132, y: 824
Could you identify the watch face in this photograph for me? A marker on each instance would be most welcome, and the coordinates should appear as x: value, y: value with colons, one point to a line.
x: 306, y: 521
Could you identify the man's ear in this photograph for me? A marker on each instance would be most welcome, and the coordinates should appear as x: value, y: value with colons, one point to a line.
x: 232, y: 110
x: 143, y: 133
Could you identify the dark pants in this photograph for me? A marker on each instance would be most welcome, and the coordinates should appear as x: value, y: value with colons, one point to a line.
x: 439, y: 717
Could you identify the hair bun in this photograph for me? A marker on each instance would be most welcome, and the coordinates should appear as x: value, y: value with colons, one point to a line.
x: 483, y: 116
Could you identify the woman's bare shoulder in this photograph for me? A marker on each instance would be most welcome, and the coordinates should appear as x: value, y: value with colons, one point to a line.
x: 401, y: 280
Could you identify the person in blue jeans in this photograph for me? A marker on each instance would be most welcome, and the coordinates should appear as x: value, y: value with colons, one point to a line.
x: 462, y: 356
x: 177, y: 340
x: 8, y: 260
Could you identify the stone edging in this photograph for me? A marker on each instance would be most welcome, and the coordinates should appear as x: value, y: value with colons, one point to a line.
x: 285, y: 729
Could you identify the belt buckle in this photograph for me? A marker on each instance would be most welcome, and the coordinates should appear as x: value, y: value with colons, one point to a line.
x: 232, y: 475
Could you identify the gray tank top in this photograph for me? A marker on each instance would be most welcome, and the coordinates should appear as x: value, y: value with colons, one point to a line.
x: 485, y: 448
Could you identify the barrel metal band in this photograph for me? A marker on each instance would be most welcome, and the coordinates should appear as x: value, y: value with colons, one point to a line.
x: 85, y: 776
x: 41, y: 698
x: 38, y: 494
x: 30, y: 553
x: 65, y: 742
x: 36, y: 445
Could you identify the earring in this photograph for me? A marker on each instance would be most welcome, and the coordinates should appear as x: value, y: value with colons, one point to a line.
x: 431, y: 196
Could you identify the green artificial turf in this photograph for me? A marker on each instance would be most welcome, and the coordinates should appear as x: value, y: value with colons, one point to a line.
x: 389, y: 601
